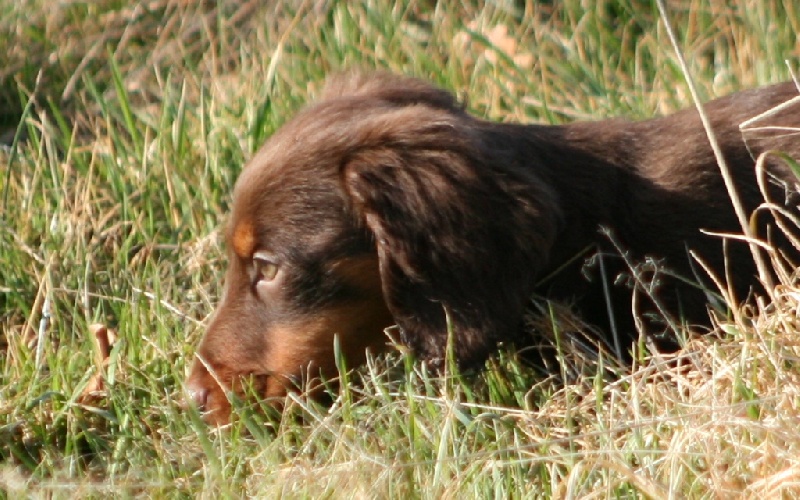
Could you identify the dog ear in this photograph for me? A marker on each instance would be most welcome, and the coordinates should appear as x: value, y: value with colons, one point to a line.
x: 461, y: 229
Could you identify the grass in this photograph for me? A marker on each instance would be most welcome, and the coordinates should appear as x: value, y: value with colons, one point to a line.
x: 125, y: 127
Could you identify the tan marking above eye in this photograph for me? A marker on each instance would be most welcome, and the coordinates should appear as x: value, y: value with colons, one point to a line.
x: 243, y: 239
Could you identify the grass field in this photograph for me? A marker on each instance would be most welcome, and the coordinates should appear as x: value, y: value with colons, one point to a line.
x: 124, y: 126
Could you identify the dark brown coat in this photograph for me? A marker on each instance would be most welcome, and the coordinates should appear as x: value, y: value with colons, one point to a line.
x: 385, y: 203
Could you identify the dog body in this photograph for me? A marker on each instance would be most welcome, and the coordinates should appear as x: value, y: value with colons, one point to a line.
x: 386, y: 203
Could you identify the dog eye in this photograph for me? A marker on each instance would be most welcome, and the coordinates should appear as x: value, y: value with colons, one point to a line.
x: 265, y: 267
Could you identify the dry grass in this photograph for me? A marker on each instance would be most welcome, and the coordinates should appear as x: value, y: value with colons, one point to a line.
x: 135, y: 120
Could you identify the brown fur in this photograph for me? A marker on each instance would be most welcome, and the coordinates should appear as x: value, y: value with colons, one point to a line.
x: 385, y: 203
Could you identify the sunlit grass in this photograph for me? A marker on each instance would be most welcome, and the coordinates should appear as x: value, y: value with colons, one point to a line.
x: 137, y: 118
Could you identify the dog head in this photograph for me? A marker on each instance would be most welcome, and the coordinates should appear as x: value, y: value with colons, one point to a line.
x: 384, y: 203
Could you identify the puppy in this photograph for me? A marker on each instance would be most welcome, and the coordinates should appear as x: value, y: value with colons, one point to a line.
x: 386, y: 203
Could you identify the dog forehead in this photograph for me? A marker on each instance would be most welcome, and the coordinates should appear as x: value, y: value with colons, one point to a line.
x: 306, y: 149
x: 283, y: 225
x: 281, y: 207
x: 289, y: 198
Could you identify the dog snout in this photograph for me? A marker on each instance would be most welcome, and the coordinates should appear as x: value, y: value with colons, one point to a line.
x: 197, y: 394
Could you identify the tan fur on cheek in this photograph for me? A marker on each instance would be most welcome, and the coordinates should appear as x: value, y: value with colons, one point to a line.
x: 300, y: 352
x: 305, y: 348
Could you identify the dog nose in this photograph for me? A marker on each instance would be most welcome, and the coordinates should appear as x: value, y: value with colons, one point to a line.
x: 197, y: 394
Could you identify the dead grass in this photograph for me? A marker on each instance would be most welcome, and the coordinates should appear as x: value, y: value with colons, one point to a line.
x: 142, y: 115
